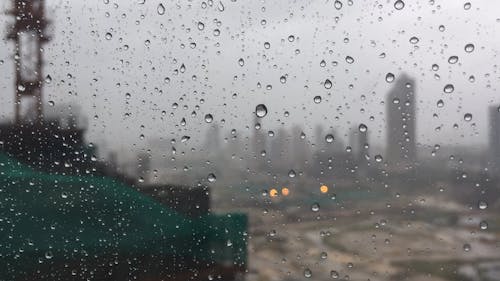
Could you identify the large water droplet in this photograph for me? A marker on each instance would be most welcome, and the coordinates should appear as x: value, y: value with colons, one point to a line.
x: 482, y: 205
x: 453, y: 59
x: 160, y: 9
x: 328, y: 84
x: 307, y: 273
x: 315, y: 207
x: 449, y: 88
x: 399, y: 5
x: 389, y: 77
x: 211, y: 177
x: 261, y: 110
x: 329, y: 138
x: 468, y: 117
x: 362, y: 128
x: 469, y: 48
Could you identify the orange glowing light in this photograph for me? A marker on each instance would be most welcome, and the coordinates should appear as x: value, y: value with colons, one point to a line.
x: 285, y: 191
x: 323, y: 189
x: 273, y: 192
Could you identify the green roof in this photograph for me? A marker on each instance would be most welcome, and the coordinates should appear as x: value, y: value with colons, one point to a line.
x: 47, y: 217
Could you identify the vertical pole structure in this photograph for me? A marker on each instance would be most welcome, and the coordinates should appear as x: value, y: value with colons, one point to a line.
x: 28, y: 34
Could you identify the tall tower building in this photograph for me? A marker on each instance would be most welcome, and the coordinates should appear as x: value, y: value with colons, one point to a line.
x: 401, y: 122
x: 29, y: 34
x: 494, y: 112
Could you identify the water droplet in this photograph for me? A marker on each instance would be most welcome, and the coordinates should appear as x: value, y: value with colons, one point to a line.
x: 467, y: 6
x: 307, y: 273
x: 441, y: 28
x: 261, y: 110
x: 362, y: 128
x: 48, y: 79
x: 267, y: 45
x: 467, y: 247
x: 389, y: 77
x: 220, y: 6
x: 322, y: 63
x: 349, y: 59
x: 435, y: 67
x: 379, y: 158
x: 292, y: 174
x: 317, y: 99
x: 323, y: 255
x: 452, y: 59
x: 328, y: 84
x: 52, y: 103
x: 64, y: 195
x: 241, y: 62
x: 449, y: 88
x: 468, y: 117
x: 482, y: 205
x: 399, y: 5
x: 49, y: 255
x: 440, y: 103
x: 108, y: 36
x: 334, y: 274
x: 283, y: 79
x: 185, y: 138
x: 291, y: 38
x: 337, y: 4
x: 329, y: 138
x: 483, y: 225
x: 315, y: 207
x: 469, y: 48
x: 211, y: 177
x: 160, y: 9
x: 201, y: 26
x: 414, y: 40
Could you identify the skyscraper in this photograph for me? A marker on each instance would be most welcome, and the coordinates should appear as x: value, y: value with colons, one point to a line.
x: 401, y: 121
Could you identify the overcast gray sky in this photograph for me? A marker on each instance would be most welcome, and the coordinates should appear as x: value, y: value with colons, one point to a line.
x: 147, y: 48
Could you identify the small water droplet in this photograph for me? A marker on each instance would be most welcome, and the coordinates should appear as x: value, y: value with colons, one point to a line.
x: 209, y: 118
x: 467, y: 247
x: 241, y: 62
x: 108, y: 36
x: 317, y: 99
x: 440, y: 103
x: 291, y: 174
x: 349, y: 59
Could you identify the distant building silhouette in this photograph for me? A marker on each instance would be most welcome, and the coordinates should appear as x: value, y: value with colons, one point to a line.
x: 401, y: 122
x: 495, y: 135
